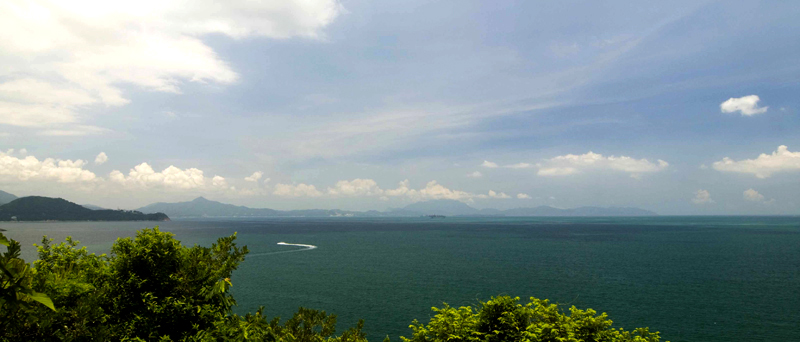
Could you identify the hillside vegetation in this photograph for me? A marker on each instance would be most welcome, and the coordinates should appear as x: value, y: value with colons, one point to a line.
x: 36, y: 208
x: 152, y: 288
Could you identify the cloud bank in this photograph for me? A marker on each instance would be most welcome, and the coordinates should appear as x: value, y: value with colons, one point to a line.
x: 781, y: 160
x: 29, y: 168
x: 86, y: 49
x: 571, y: 164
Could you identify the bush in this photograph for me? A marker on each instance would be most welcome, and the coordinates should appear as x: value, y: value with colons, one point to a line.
x: 504, y: 319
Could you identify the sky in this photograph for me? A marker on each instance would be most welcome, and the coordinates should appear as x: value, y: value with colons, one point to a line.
x: 680, y: 107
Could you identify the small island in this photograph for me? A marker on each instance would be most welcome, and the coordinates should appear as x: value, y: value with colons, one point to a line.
x: 37, y: 208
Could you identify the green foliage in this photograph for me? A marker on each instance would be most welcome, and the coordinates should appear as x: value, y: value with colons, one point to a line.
x: 18, y: 299
x: 153, y: 288
x: 149, y: 288
x: 504, y: 319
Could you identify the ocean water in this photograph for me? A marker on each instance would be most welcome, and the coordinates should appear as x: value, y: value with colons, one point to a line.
x: 691, y: 278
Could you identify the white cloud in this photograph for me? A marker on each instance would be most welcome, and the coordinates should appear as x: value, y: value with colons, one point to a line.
x: 476, y: 174
x: 219, y: 182
x: 747, y: 105
x: 782, y: 160
x: 753, y: 195
x: 402, y: 190
x: 101, y: 158
x: 84, y: 50
x: 493, y: 194
x: 523, y: 196
x: 298, y: 190
x: 702, y: 197
x: 356, y: 187
x: 489, y: 164
x: 143, y: 176
x: 573, y: 164
x: 255, y: 176
x: 434, y: 190
x: 31, y: 169
x: 520, y: 166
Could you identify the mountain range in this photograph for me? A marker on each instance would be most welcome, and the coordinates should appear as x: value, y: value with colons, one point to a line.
x: 201, y: 207
x: 45, y: 208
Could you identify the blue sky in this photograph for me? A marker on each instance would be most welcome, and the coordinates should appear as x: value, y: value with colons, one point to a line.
x: 370, y: 105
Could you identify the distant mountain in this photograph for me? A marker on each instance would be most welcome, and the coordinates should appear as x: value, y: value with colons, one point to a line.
x: 36, y: 208
x: 581, y: 211
x: 92, y: 206
x: 201, y: 207
x: 6, y: 197
x: 440, y: 207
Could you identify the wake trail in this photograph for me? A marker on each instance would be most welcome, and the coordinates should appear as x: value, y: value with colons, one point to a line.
x: 305, y: 248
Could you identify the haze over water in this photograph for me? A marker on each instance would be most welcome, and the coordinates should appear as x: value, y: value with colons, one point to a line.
x: 692, y: 278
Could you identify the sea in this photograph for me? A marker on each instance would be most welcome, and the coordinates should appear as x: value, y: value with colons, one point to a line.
x: 715, y: 278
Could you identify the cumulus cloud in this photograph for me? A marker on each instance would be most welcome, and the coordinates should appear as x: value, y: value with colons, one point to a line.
x: 476, y: 174
x: 702, y: 197
x: 781, y: 160
x: 86, y: 49
x: 219, y: 182
x: 143, y: 176
x: 493, y: 194
x: 30, y: 168
x: 434, y: 190
x: 753, y: 195
x: 356, y: 187
x: 523, y: 196
x: 747, y: 105
x: 402, y: 190
x: 296, y: 190
x: 573, y: 164
x: 101, y: 158
x: 489, y: 164
x: 254, y: 177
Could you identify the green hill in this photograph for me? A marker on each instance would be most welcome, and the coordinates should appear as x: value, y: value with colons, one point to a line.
x: 36, y: 208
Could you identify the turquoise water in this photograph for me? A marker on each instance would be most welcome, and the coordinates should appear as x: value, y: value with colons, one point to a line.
x: 692, y: 278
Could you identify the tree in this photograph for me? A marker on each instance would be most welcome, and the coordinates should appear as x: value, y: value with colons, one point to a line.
x: 504, y: 319
x: 149, y: 288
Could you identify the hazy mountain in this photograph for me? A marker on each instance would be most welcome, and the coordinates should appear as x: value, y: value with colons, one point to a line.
x: 441, y: 207
x: 36, y: 208
x: 201, y: 207
x: 581, y: 211
x: 6, y: 197
x: 93, y: 207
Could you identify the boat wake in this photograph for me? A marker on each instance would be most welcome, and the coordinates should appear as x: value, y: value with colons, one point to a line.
x: 305, y: 248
